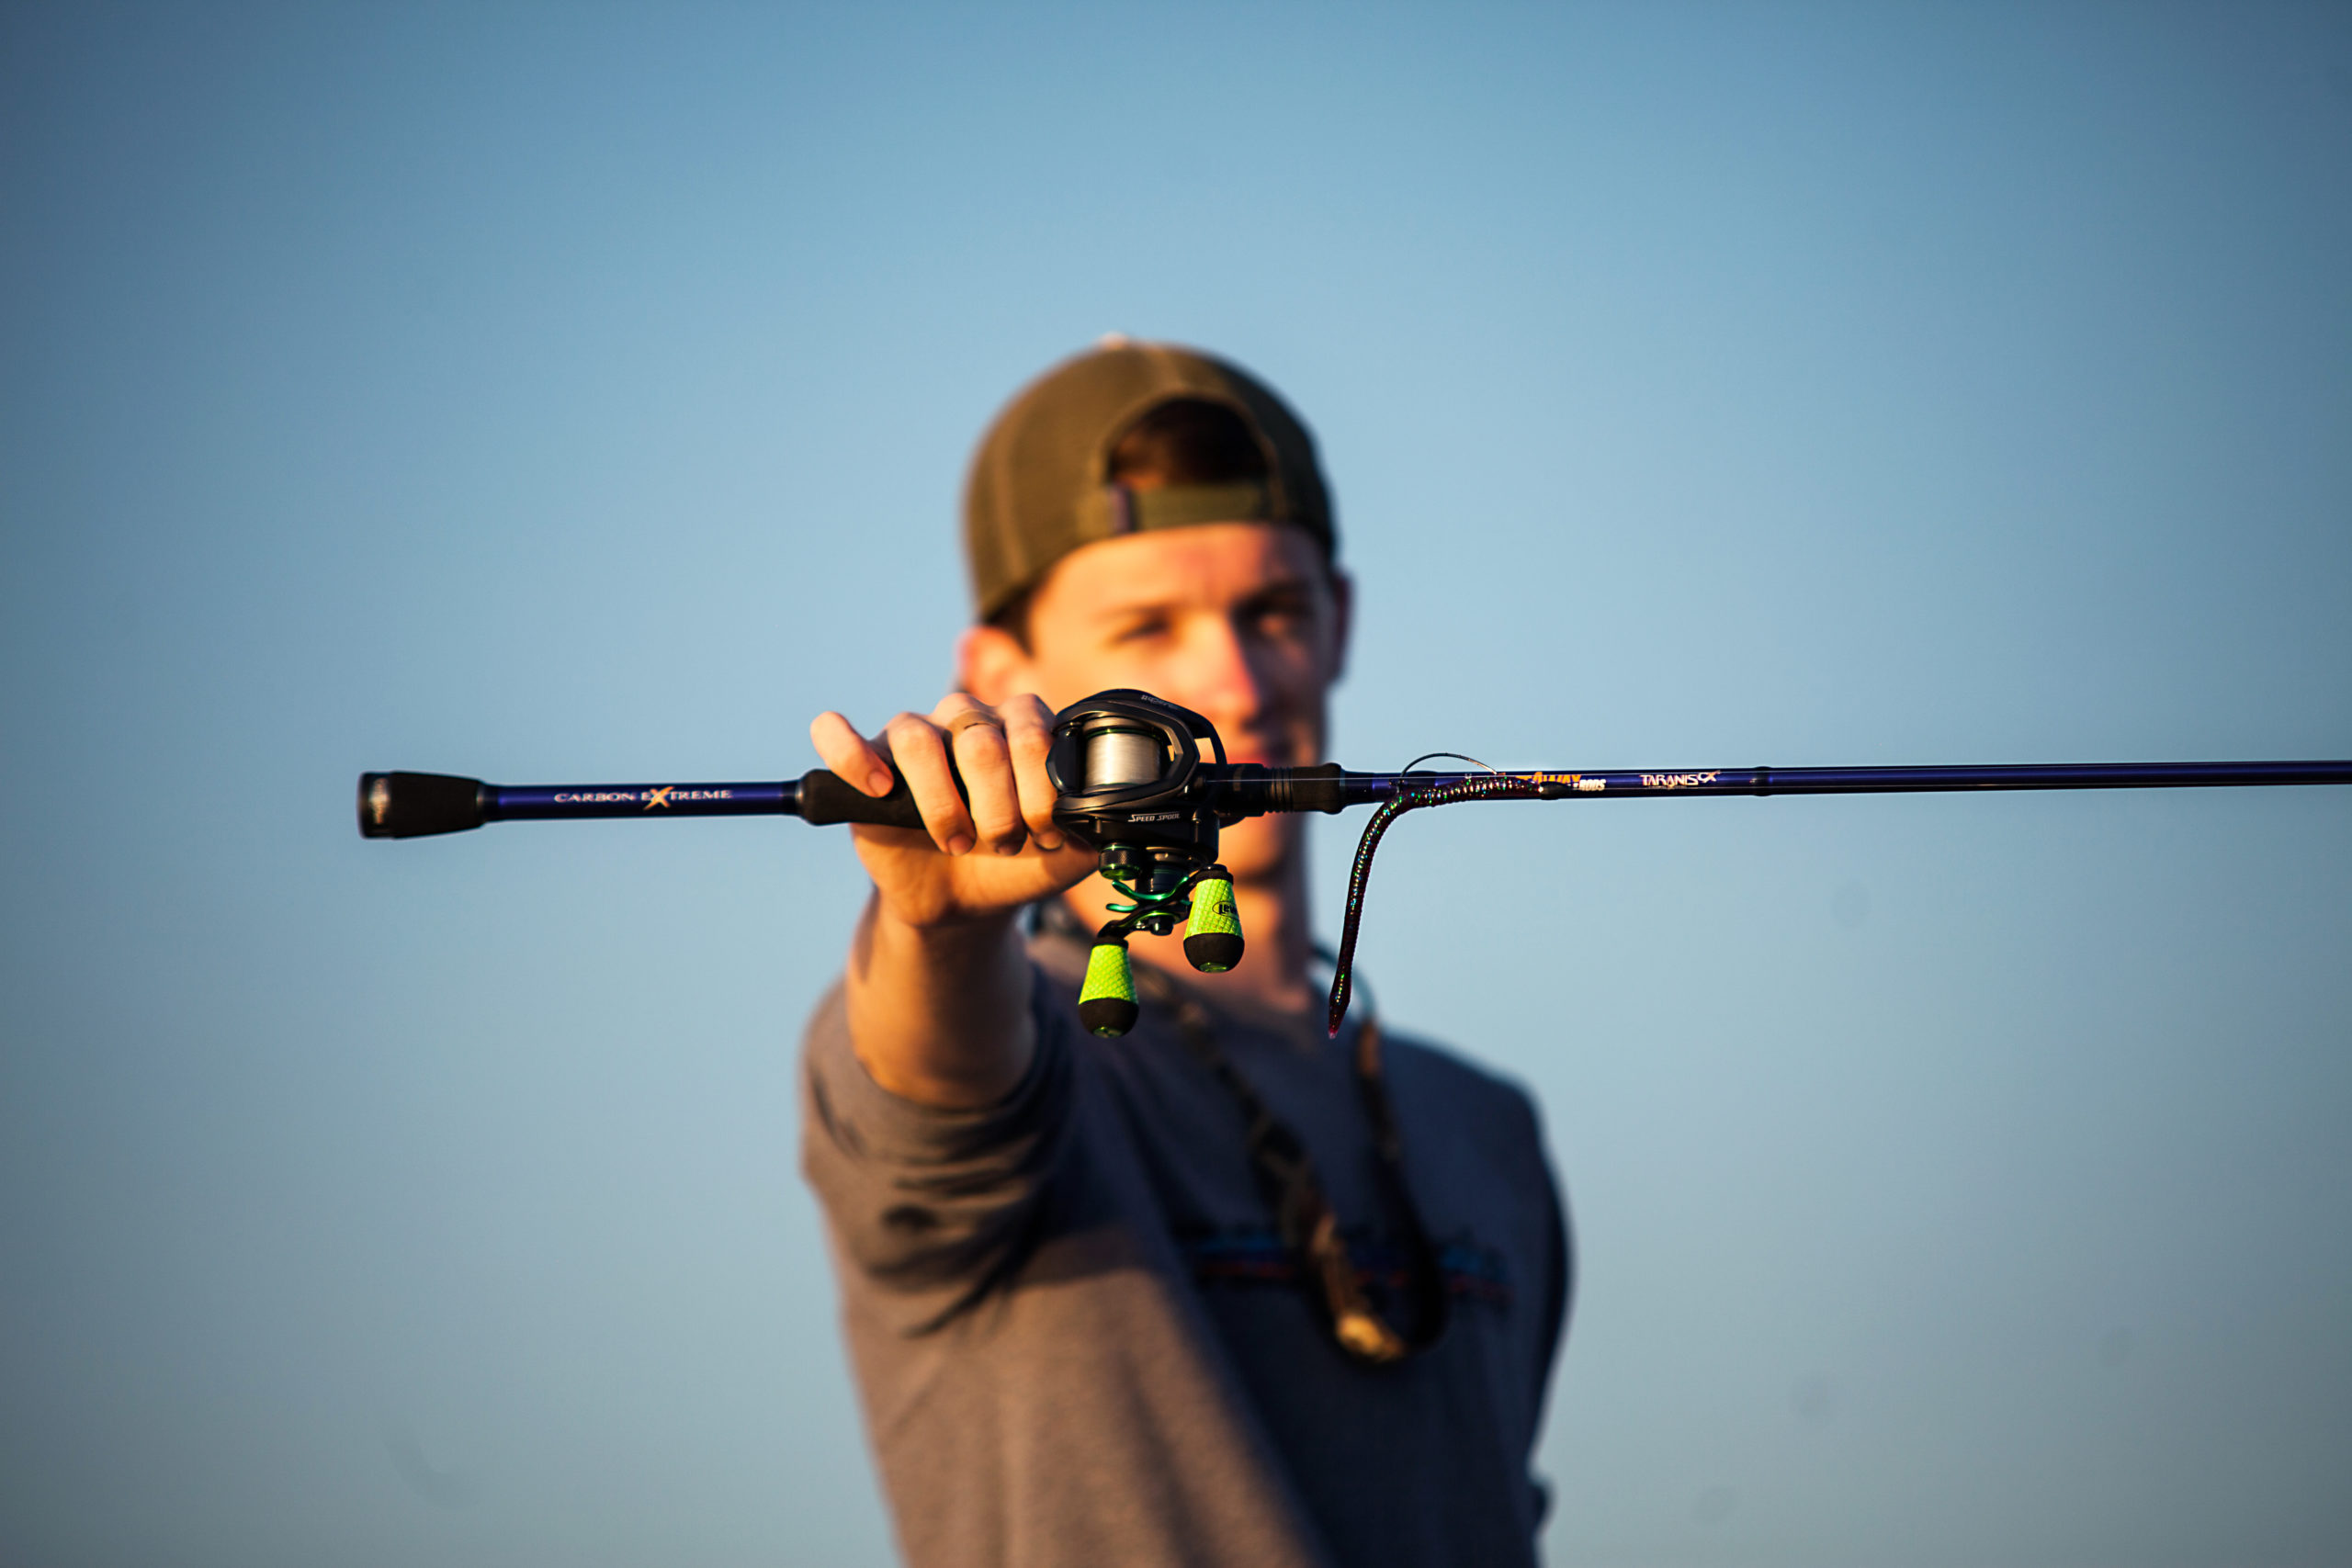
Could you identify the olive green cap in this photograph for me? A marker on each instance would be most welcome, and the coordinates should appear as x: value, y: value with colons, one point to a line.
x: 1039, y: 483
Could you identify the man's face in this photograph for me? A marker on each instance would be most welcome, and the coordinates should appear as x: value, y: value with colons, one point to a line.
x: 1241, y: 622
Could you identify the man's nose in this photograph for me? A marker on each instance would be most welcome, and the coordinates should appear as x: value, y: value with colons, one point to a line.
x: 1227, y: 685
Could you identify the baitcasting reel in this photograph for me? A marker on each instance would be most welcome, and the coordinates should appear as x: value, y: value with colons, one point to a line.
x: 1124, y: 766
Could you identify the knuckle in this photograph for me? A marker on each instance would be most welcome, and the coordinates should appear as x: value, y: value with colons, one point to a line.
x: 980, y: 742
x: 908, y: 727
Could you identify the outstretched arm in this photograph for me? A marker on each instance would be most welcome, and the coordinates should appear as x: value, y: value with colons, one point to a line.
x: 938, y: 985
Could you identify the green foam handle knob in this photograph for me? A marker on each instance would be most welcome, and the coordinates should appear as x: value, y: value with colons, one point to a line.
x: 1106, y: 1003
x: 1212, y: 930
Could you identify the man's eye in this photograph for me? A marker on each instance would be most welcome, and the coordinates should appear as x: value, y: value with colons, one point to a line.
x: 1278, y: 620
x: 1140, y: 631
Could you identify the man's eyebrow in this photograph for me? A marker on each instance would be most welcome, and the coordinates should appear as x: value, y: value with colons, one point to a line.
x: 1283, y: 588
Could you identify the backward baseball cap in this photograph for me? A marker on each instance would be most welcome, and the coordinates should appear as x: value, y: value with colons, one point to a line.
x: 1040, y: 482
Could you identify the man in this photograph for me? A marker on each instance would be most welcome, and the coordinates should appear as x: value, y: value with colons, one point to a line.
x: 1223, y: 1290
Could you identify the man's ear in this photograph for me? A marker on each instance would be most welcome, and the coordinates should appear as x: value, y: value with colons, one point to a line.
x: 1343, y: 612
x: 991, y: 665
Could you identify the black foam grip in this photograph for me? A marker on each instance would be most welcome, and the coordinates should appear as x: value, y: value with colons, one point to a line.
x: 409, y: 806
x: 1319, y: 788
x: 827, y: 798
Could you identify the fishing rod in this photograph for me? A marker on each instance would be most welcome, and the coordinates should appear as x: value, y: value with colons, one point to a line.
x: 1145, y: 785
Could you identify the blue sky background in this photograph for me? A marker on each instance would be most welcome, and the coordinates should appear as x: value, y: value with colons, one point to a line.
x: 583, y: 392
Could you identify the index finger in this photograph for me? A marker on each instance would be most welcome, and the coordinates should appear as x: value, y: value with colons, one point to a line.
x: 850, y: 754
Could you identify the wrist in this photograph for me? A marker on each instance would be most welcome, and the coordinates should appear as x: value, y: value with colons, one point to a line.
x: 942, y: 934
x: 938, y: 1012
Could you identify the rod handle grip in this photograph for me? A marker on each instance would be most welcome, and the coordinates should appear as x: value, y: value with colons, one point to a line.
x: 409, y: 806
x: 826, y: 798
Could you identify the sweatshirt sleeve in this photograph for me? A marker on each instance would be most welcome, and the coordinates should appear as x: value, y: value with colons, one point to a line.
x: 931, y: 1208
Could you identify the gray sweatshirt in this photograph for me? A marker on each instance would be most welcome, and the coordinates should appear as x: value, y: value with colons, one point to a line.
x: 1078, y: 1342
